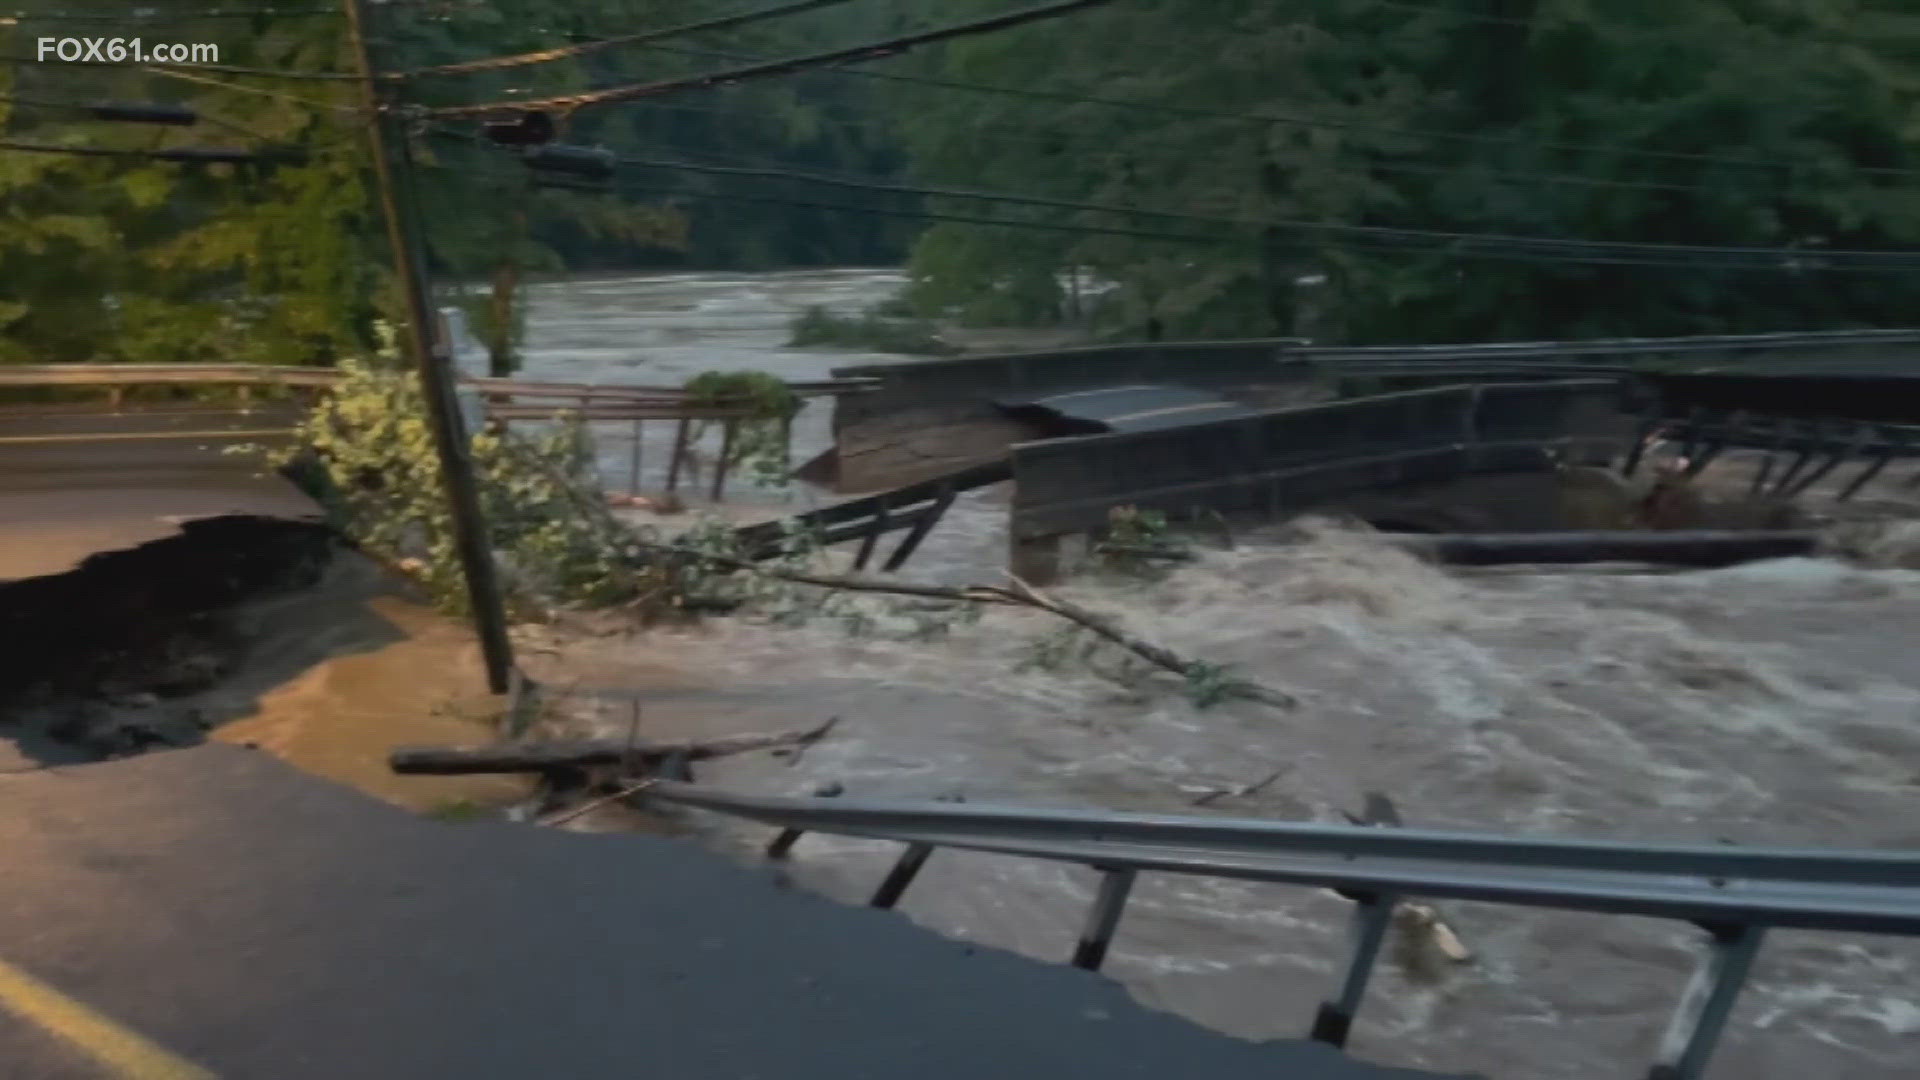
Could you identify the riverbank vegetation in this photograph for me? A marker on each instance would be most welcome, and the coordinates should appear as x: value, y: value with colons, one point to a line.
x: 869, y: 331
x: 1338, y: 168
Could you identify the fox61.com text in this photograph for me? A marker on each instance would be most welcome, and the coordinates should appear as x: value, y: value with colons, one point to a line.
x: 73, y: 50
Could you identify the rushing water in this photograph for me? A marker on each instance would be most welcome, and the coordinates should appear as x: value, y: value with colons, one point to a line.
x: 1776, y: 703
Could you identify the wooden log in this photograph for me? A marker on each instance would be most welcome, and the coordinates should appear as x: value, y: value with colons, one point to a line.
x: 549, y: 755
x: 1692, y: 548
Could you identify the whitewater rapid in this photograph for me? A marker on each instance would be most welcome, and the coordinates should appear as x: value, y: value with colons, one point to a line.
x: 1776, y: 703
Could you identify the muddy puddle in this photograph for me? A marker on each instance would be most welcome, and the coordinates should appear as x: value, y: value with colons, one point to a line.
x: 251, y: 631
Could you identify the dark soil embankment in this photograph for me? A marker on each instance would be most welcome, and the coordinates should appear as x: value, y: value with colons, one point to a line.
x: 93, y: 654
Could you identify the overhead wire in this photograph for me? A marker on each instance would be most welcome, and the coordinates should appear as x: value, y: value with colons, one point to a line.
x: 207, y: 154
x: 1200, y: 112
x: 1039, y: 139
x: 584, y: 48
x: 871, y: 50
x: 238, y: 88
x: 217, y: 69
x: 86, y: 107
x: 155, y: 15
x: 1450, y: 242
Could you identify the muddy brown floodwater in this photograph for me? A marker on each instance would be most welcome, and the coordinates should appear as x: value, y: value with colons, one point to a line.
x: 1775, y: 703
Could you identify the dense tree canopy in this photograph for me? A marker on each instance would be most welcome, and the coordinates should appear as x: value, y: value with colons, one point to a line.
x: 125, y: 258
x: 1787, y: 123
x: 1198, y: 164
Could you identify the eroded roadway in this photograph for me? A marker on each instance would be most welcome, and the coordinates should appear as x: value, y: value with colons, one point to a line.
x: 75, y: 483
x: 260, y: 923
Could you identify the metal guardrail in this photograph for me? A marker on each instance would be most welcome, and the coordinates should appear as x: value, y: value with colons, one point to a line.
x: 1567, y: 350
x: 915, y: 507
x: 501, y: 400
x: 1734, y: 894
x: 122, y: 375
x: 110, y: 375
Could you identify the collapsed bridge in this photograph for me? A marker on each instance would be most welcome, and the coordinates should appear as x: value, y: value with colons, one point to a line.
x: 1275, y: 427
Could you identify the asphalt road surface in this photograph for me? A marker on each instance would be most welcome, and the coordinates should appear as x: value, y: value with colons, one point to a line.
x: 211, y: 911
x: 73, y: 484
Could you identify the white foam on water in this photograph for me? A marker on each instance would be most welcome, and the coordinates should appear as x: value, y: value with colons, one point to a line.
x: 1776, y: 702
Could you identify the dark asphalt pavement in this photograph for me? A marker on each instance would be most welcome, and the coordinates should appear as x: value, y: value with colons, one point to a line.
x: 270, y: 925
x: 74, y: 484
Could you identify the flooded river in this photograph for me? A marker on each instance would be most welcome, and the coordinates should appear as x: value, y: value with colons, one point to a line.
x: 1776, y: 703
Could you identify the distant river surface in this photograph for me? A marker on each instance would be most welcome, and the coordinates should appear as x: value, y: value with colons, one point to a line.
x: 1777, y: 703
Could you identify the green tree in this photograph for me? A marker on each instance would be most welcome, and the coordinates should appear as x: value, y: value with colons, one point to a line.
x: 1515, y: 117
x: 107, y: 258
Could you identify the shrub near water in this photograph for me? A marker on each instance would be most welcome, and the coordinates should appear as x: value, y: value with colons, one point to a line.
x: 760, y: 440
x: 871, y: 331
x: 368, y: 449
x: 368, y: 453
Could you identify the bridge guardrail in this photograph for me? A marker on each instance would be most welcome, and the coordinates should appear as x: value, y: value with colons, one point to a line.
x: 501, y: 400
x: 1735, y: 894
x: 110, y: 375
x: 1289, y: 457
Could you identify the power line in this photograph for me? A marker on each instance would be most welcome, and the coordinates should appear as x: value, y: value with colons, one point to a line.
x: 1598, y: 248
x: 1492, y: 245
x: 150, y: 15
x: 1063, y: 97
x: 1507, y: 20
x: 218, y: 69
x: 1094, y: 230
x: 1036, y: 138
x: 623, y: 186
x: 237, y: 88
x: 182, y: 153
x: 587, y: 47
x: 94, y: 108
x: 872, y: 50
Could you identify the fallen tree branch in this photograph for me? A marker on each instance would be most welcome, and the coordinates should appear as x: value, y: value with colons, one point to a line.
x: 549, y: 755
x: 1022, y: 595
x: 1147, y: 650
x: 1237, y: 791
x: 636, y: 548
x: 595, y: 804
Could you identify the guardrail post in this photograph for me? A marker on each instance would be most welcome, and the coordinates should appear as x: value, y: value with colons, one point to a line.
x: 1103, y: 918
x: 727, y: 432
x: 1706, y: 1002
x: 1372, y: 915
x: 633, y: 472
x: 679, y: 455
x: 882, y: 521
x: 780, y: 845
x: 901, y: 876
x: 1367, y: 931
x: 1812, y: 432
x: 1781, y: 428
x: 1643, y: 434
x: 1879, y: 464
x: 921, y: 527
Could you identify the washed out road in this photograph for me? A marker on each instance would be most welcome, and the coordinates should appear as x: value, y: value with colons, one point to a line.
x: 254, y: 922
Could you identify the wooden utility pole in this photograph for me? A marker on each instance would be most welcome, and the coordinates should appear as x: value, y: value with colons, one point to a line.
x: 390, y: 149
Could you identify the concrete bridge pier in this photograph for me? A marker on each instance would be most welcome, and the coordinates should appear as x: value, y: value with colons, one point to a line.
x: 1035, y: 559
